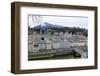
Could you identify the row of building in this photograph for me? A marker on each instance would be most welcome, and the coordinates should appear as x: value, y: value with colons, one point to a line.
x: 51, y: 42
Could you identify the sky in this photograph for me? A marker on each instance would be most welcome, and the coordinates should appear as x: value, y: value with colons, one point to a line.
x: 67, y: 21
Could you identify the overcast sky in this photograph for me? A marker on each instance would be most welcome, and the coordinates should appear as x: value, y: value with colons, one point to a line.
x: 68, y: 21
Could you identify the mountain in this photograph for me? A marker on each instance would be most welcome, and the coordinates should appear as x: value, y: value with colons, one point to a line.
x: 58, y: 28
x: 46, y: 25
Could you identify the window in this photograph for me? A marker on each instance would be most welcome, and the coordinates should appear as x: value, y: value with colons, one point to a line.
x: 36, y: 45
x: 42, y: 38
